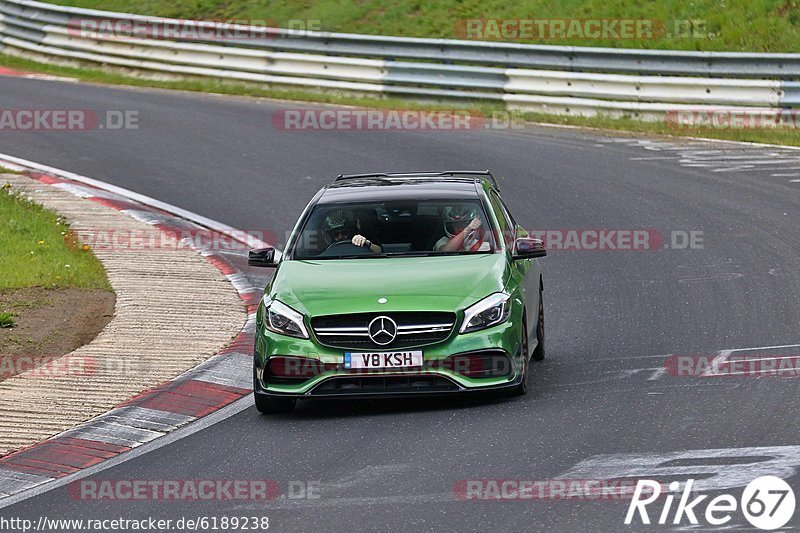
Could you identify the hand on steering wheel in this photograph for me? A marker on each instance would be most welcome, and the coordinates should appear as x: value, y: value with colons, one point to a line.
x: 360, y: 240
x: 365, y: 243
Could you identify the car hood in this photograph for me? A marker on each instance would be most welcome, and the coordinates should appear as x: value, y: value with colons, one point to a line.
x: 337, y: 286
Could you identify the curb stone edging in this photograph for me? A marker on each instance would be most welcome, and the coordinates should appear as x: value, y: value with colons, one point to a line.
x: 216, y: 382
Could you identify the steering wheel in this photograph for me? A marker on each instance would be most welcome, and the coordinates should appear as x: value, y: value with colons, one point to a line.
x: 352, y: 250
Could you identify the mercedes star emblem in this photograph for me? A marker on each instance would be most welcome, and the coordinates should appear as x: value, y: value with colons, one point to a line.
x: 382, y: 330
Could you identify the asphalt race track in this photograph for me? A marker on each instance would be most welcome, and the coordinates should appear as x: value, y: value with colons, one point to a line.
x: 612, y: 317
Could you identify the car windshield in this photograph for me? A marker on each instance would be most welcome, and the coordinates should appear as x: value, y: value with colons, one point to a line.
x: 395, y: 229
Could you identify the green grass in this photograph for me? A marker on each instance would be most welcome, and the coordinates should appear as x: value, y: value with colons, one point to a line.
x: 36, y: 250
x: 6, y: 320
x: 755, y: 25
x: 94, y: 75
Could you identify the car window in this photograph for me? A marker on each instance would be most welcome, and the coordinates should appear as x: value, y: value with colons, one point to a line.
x: 507, y: 225
x: 395, y: 228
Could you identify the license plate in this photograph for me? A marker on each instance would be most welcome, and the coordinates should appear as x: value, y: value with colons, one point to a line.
x: 359, y: 360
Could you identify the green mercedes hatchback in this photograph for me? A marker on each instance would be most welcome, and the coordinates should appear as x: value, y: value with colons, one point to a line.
x: 400, y: 284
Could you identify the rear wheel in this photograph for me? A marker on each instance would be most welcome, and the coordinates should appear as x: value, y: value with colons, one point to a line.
x: 522, y: 388
x: 538, y: 352
x: 269, y: 405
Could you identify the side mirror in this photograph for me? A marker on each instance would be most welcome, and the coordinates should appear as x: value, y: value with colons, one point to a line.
x: 263, y: 257
x: 529, y: 248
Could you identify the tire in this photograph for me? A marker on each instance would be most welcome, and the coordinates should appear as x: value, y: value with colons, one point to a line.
x: 522, y: 388
x: 268, y: 405
x: 538, y: 353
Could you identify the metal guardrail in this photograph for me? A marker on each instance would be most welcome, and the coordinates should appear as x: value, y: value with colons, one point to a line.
x: 559, y: 79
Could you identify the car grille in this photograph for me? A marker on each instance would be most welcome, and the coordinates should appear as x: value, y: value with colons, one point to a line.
x: 351, y: 331
x: 383, y: 385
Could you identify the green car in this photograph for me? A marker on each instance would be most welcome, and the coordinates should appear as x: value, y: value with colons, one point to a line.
x: 400, y: 284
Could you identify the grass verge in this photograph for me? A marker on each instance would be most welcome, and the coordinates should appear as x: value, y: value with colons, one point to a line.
x: 36, y: 251
x: 755, y: 25
x: 54, y: 293
x: 610, y: 124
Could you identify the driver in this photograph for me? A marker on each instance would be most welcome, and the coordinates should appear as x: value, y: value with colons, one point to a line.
x: 463, y: 231
x: 342, y: 226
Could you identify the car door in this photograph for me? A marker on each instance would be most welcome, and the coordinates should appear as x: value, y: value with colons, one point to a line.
x: 525, y: 271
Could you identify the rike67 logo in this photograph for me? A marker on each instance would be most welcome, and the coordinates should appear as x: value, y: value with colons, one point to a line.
x: 767, y: 503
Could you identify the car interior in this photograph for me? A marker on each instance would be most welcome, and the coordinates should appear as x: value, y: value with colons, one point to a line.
x: 398, y: 226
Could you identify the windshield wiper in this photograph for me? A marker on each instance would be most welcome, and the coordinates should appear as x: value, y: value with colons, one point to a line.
x: 436, y: 254
x: 348, y: 256
x: 399, y: 254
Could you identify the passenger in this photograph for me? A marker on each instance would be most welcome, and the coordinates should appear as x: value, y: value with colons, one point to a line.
x: 463, y: 230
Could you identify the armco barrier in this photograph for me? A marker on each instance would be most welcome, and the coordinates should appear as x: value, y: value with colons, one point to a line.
x: 558, y: 79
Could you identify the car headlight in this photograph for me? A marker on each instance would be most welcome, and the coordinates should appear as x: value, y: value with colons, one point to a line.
x: 492, y: 310
x: 280, y: 318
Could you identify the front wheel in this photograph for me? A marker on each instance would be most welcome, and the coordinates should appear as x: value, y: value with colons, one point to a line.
x: 522, y: 388
x: 538, y: 352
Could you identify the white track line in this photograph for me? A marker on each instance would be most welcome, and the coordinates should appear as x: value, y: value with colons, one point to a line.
x: 721, y: 357
x: 763, y: 348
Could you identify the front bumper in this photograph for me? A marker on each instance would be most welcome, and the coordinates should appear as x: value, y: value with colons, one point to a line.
x: 390, y: 388
x: 433, y: 381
